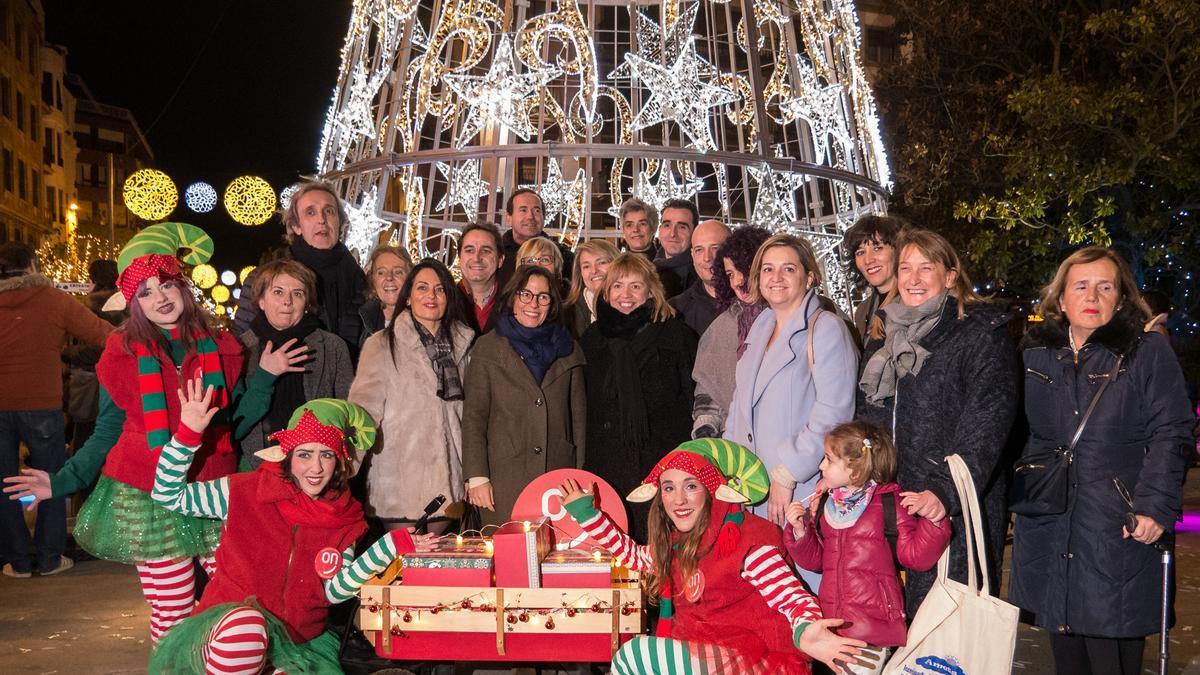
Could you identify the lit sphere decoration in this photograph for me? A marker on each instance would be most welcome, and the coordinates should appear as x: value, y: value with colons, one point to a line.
x: 219, y: 310
x: 220, y: 293
x: 250, y: 200
x: 200, y: 197
x: 150, y: 194
x: 228, y: 278
x: 245, y: 273
x: 204, y: 275
x: 285, y: 195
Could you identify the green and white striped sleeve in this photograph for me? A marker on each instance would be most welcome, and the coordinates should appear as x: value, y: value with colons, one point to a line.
x: 356, y: 571
x: 209, y: 499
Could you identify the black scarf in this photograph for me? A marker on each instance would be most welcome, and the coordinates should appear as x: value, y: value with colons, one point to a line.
x: 623, y: 378
x: 441, y: 356
x: 288, y: 393
x: 339, y: 279
x: 538, y: 347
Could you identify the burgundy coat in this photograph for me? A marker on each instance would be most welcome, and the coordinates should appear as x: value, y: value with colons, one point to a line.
x: 859, y: 581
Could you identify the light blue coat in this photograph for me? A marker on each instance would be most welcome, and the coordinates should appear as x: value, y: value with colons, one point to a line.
x: 782, y: 411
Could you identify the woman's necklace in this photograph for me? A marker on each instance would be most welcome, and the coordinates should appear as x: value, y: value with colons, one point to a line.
x: 1071, y: 341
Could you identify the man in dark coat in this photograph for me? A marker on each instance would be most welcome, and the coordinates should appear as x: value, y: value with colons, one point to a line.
x: 1076, y: 571
x: 480, y: 259
x: 963, y: 401
x: 525, y: 218
x: 674, y: 260
x: 698, y: 304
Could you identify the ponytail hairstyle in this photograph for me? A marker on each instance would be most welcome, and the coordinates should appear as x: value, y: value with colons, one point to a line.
x: 867, y: 451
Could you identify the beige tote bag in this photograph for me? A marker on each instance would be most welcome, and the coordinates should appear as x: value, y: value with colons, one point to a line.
x: 960, y: 629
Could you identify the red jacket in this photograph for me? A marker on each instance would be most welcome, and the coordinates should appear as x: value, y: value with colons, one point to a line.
x: 266, y: 558
x: 731, y: 612
x: 130, y: 460
x: 859, y: 582
x: 34, y: 319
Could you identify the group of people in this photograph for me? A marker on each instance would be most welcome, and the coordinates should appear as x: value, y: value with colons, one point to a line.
x: 682, y: 362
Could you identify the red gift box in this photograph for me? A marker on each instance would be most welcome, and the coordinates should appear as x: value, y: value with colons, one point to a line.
x: 518, y: 552
x: 577, y: 569
x: 452, y: 563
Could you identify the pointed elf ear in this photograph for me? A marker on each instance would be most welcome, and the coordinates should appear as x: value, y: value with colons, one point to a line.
x: 271, y: 454
x: 115, y: 303
x: 728, y: 494
x: 642, y: 493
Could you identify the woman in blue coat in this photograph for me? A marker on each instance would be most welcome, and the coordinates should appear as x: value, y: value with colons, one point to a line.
x: 1085, y: 577
x: 785, y: 400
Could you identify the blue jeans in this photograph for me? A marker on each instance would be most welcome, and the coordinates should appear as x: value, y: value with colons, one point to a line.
x: 43, y: 433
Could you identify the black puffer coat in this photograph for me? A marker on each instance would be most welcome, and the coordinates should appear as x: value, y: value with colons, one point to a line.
x: 1074, y: 571
x: 665, y: 352
x: 963, y: 402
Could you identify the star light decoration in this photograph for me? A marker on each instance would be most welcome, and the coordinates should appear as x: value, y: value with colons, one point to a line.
x: 666, y: 189
x: 285, y: 196
x: 820, y: 106
x: 658, y: 45
x: 150, y: 194
x: 499, y: 95
x: 559, y: 196
x: 363, y: 225
x: 200, y: 197
x: 775, y: 203
x: 464, y: 187
x: 827, y: 246
x: 677, y: 94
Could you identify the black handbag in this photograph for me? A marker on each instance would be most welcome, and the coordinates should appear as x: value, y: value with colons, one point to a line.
x: 1042, y: 477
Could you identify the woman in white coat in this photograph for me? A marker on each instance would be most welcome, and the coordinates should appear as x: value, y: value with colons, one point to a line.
x: 410, y: 381
x: 786, y: 399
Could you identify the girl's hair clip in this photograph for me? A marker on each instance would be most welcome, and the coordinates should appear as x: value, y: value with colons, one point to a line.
x: 867, y: 444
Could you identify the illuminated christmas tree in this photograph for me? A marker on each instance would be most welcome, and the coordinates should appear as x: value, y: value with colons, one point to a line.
x: 760, y: 112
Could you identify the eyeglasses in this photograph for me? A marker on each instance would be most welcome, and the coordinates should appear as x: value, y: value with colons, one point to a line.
x: 538, y: 260
x: 528, y: 297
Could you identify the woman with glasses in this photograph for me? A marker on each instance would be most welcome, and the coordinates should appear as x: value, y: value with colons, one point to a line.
x: 544, y: 253
x: 525, y: 406
x: 1086, y: 567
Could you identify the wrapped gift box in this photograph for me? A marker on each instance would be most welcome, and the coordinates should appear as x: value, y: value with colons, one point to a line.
x: 452, y: 563
x: 519, y: 550
x: 577, y: 569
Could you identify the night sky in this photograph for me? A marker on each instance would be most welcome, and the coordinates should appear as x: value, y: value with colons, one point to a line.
x: 254, y: 102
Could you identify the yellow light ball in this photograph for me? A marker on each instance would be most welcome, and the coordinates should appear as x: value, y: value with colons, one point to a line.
x: 204, y: 275
x: 245, y: 273
x: 150, y: 194
x: 220, y: 293
x: 219, y: 310
x: 250, y: 200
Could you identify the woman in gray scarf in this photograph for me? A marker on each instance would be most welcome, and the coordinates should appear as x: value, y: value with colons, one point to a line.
x: 940, y: 372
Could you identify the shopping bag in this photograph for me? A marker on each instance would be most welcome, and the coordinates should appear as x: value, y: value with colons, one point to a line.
x: 959, y: 629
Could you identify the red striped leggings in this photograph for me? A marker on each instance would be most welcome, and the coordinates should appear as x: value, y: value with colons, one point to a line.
x: 237, y: 645
x: 170, y: 588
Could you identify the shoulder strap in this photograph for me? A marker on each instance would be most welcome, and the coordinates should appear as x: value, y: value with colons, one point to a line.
x: 820, y: 514
x: 812, y: 325
x: 1112, y: 375
x: 889, y: 525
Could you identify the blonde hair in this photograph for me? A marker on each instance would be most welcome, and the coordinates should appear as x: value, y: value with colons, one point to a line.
x: 636, y: 263
x: 867, y: 451
x: 937, y: 249
x: 596, y: 247
x: 535, y: 247
x: 804, y: 251
x: 1126, y: 286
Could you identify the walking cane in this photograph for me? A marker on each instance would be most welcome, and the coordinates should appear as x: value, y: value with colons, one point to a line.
x: 1165, y: 545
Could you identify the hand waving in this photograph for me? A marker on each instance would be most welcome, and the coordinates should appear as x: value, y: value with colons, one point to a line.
x: 285, y: 359
x: 571, y: 491
x: 195, y: 405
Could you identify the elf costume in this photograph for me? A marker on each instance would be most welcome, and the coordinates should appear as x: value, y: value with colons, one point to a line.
x: 138, y: 406
x: 743, y: 610
x: 267, y: 602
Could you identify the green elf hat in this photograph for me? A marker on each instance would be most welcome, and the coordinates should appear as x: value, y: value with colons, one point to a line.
x: 152, y: 253
x: 328, y: 421
x: 731, y: 472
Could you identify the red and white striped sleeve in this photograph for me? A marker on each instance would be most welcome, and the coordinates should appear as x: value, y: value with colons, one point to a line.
x: 766, y: 570
x: 600, y: 527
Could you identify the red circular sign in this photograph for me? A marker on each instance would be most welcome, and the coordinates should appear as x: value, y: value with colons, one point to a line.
x: 541, y: 498
x: 328, y: 562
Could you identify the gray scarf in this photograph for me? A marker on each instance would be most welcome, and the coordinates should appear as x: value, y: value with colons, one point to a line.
x: 900, y: 355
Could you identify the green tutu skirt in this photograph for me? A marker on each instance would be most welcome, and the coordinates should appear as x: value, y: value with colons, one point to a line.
x: 121, y: 523
x: 182, y: 648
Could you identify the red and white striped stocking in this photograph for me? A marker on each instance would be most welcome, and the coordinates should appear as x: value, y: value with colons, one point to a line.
x: 237, y: 644
x: 169, y: 587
